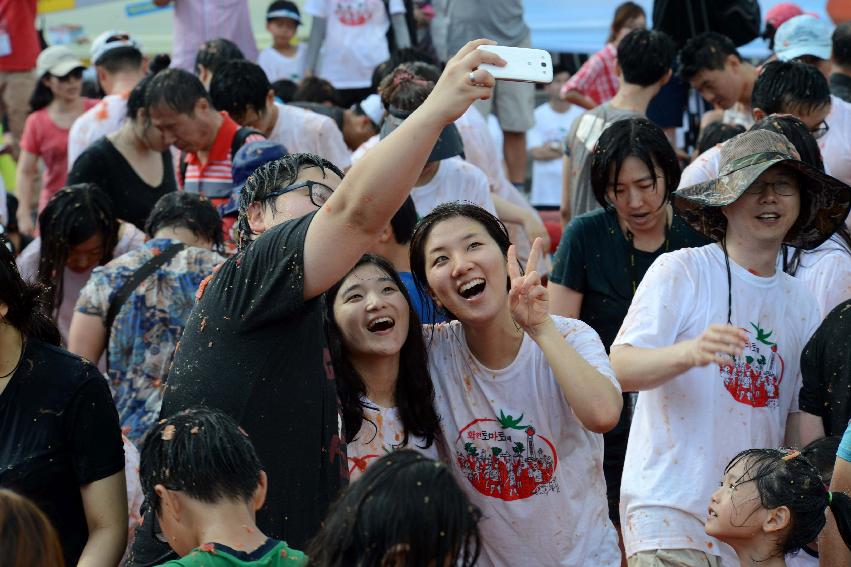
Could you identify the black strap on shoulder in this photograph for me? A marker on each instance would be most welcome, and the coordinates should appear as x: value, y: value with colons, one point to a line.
x: 139, y: 276
x: 239, y: 138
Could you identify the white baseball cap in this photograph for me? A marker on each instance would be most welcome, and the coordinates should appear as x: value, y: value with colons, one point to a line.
x: 57, y: 60
x: 111, y: 40
x: 803, y: 35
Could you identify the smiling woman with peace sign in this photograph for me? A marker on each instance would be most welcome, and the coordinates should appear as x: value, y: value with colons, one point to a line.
x: 523, y: 396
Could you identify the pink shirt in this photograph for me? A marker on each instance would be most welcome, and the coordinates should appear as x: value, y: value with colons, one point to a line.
x: 48, y: 141
x: 597, y: 78
x: 197, y: 21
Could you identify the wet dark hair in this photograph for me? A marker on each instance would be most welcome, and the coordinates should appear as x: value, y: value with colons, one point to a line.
x: 201, y: 452
x: 624, y: 13
x: 27, y: 538
x: 399, y: 56
x: 443, y: 212
x: 414, y: 392
x: 136, y: 100
x: 191, y: 211
x: 638, y: 138
x: 126, y: 58
x: 783, y: 479
x: 160, y: 62
x: 72, y: 216
x: 25, y: 300
x: 404, y: 88
x: 176, y: 89
x: 790, y: 87
x: 314, y: 89
x: 271, y: 176
x: 284, y: 89
x: 707, y: 51
x: 716, y: 133
x: 214, y: 53
x: 404, y: 503
x: 404, y: 222
x: 240, y: 86
x: 841, y: 37
x: 645, y: 56
x: 822, y: 454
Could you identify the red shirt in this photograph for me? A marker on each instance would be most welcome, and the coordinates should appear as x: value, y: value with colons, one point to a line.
x: 48, y: 141
x: 597, y: 78
x: 17, y: 19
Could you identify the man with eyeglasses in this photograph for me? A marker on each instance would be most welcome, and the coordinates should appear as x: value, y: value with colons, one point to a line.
x: 254, y: 345
x: 798, y: 89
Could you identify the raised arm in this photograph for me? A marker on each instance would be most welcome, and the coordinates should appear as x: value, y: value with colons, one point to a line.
x: 379, y: 183
x: 596, y: 402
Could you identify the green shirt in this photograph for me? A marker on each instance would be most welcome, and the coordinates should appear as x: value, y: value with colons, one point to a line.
x: 273, y: 553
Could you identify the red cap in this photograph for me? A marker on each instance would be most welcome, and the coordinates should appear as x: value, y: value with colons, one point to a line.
x: 779, y: 13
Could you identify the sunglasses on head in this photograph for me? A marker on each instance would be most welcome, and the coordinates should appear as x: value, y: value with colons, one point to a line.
x: 76, y: 74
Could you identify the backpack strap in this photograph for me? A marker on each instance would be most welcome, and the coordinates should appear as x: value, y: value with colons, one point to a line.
x: 141, y: 273
x: 239, y: 138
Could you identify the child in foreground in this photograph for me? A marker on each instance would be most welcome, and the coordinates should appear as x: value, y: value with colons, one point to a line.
x: 204, y: 481
x: 772, y: 503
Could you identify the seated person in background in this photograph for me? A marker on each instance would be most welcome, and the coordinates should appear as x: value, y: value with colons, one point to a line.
x: 713, y: 67
x: 406, y: 509
x: 79, y: 231
x: 282, y: 59
x: 241, y: 89
x: 139, y: 325
x: 132, y: 165
x: 314, y: 89
x: 211, y: 55
x: 203, y: 479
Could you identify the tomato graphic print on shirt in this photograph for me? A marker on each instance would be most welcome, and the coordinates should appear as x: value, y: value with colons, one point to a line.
x: 356, y: 12
x: 754, y: 378
x: 503, y: 458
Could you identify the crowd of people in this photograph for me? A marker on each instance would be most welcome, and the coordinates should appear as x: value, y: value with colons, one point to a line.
x: 302, y: 306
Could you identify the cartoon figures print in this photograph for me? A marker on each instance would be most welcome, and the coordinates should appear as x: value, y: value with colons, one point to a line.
x: 754, y: 378
x: 356, y: 12
x: 503, y: 458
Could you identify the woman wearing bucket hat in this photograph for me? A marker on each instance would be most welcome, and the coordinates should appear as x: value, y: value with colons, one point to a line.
x: 56, y: 103
x: 713, y: 341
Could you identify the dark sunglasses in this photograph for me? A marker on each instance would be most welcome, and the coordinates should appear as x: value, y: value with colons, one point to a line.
x: 319, y: 192
x: 76, y: 74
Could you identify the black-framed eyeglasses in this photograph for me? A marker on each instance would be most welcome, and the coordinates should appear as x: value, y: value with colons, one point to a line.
x: 820, y: 130
x: 319, y: 192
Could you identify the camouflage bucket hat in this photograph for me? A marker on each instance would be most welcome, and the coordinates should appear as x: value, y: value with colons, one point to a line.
x: 825, y: 201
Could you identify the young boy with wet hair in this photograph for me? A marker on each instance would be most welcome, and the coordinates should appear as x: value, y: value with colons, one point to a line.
x: 203, y: 479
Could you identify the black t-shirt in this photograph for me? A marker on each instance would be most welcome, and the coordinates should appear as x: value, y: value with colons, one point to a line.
x: 132, y: 198
x: 254, y: 348
x: 60, y: 431
x: 593, y: 258
x: 826, y: 371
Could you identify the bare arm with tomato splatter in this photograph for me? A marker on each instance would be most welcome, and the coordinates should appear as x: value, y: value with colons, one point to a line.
x: 592, y: 397
x: 646, y: 368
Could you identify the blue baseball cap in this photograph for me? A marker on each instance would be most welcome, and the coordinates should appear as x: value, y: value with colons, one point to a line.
x: 247, y: 160
x: 803, y: 35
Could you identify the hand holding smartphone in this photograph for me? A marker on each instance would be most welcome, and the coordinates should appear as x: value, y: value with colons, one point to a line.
x: 522, y: 64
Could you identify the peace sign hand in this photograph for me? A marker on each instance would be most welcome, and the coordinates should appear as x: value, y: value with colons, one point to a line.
x: 528, y: 299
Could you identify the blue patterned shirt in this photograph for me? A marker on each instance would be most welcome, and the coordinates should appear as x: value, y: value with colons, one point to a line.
x: 148, y: 326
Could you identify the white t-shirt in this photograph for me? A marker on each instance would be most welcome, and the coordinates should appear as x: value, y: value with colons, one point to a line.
x: 801, y: 559
x: 104, y: 118
x: 279, y: 66
x: 129, y: 239
x: 826, y: 271
x: 686, y: 431
x: 355, y: 39
x: 521, y: 454
x: 455, y: 180
x: 836, y: 144
x: 304, y: 131
x: 380, y: 433
x: 550, y: 126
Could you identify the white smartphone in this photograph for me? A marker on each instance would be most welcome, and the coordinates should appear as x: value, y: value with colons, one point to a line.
x: 522, y: 64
